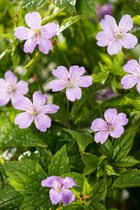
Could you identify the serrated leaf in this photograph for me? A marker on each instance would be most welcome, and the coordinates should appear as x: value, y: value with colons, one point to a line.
x: 96, y: 206
x: 99, y: 191
x: 59, y: 163
x: 83, y: 138
x: 110, y: 171
x: 32, y: 4
x: 87, y: 7
x: 69, y: 5
x: 129, y: 179
x: 25, y: 175
x: 126, y: 162
x: 11, y: 135
x: 9, y: 198
x: 74, y: 207
x: 123, y: 144
x: 86, y: 188
x: 90, y: 162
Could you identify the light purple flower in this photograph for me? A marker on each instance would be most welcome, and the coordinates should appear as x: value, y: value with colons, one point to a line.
x: 72, y: 80
x: 60, y: 189
x: 112, y: 125
x: 115, y: 37
x: 11, y: 89
x: 106, y: 9
x: 35, y: 112
x: 133, y: 77
x: 36, y: 34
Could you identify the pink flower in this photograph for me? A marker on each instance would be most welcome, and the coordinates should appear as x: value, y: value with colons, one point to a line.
x: 112, y: 125
x: 106, y: 9
x: 35, y: 112
x: 36, y: 34
x: 11, y: 89
x: 115, y: 37
x: 72, y: 80
x: 60, y: 189
x: 133, y: 77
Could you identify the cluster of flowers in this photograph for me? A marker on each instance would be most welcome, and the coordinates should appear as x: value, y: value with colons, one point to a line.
x: 114, y: 37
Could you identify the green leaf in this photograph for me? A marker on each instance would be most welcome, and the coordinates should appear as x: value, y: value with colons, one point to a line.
x: 100, y: 77
x: 123, y: 145
x: 83, y: 138
x: 129, y: 179
x: 32, y: 5
x: 68, y: 4
x: 96, y: 206
x: 87, y: 7
x: 126, y: 162
x: 74, y: 207
x: 11, y: 135
x: 86, y: 188
x: 59, y: 163
x: 25, y: 175
x: 110, y: 171
x: 134, y: 102
x: 136, y: 20
x: 99, y: 191
x: 9, y: 198
x: 90, y: 162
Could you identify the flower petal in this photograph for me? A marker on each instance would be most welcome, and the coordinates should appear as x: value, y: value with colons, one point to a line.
x: 39, y: 99
x: 33, y: 20
x: 114, y: 47
x: 138, y: 86
x: 104, y: 38
x: 61, y: 72
x: 129, y: 41
x: 49, y: 181
x: 128, y: 81
x: 126, y: 23
x: 49, y: 109
x: 24, y: 120
x: 42, y: 122
x: 55, y: 197
x: 132, y: 66
x: 101, y: 136
x: 76, y: 71
x: 22, y: 87
x: 98, y: 125
x: 117, y: 132
x: 73, y: 93
x: 69, y: 182
x: 10, y: 77
x: 110, y: 115
x: 121, y: 119
x: 67, y: 197
x: 4, y: 98
x: 57, y: 85
x: 109, y: 24
x: 23, y: 33
x: 49, y: 30
x: 30, y: 45
x: 23, y: 104
x: 45, y: 45
x: 84, y: 81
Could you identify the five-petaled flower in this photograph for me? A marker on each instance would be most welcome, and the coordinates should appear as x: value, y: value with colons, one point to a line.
x: 35, y: 112
x: 36, y: 34
x: 11, y: 89
x: 112, y: 125
x: 133, y: 77
x: 72, y: 80
x: 60, y: 189
x: 116, y: 37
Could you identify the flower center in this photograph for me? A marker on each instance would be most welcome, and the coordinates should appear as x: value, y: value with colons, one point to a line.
x: 70, y: 84
x: 35, y: 112
x: 37, y: 32
x: 118, y: 35
x: 111, y: 128
x: 11, y: 89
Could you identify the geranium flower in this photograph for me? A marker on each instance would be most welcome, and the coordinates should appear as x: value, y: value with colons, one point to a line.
x: 103, y: 10
x: 115, y: 37
x: 60, y: 189
x: 35, y: 112
x: 72, y: 80
x: 10, y: 89
x: 112, y: 125
x: 36, y: 34
x: 133, y: 77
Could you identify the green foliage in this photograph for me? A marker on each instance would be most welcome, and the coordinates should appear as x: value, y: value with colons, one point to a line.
x: 87, y: 7
x: 90, y: 162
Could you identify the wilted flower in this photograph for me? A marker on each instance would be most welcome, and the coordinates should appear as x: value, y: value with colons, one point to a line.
x: 133, y: 77
x: 60, y: 189
x: 72, y: 80
x: 11, y: 89
x: 36, y: 34
x: 116, y: 37
x: 112, y: 125
x: 35, y: 112
x: 106, y: 9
